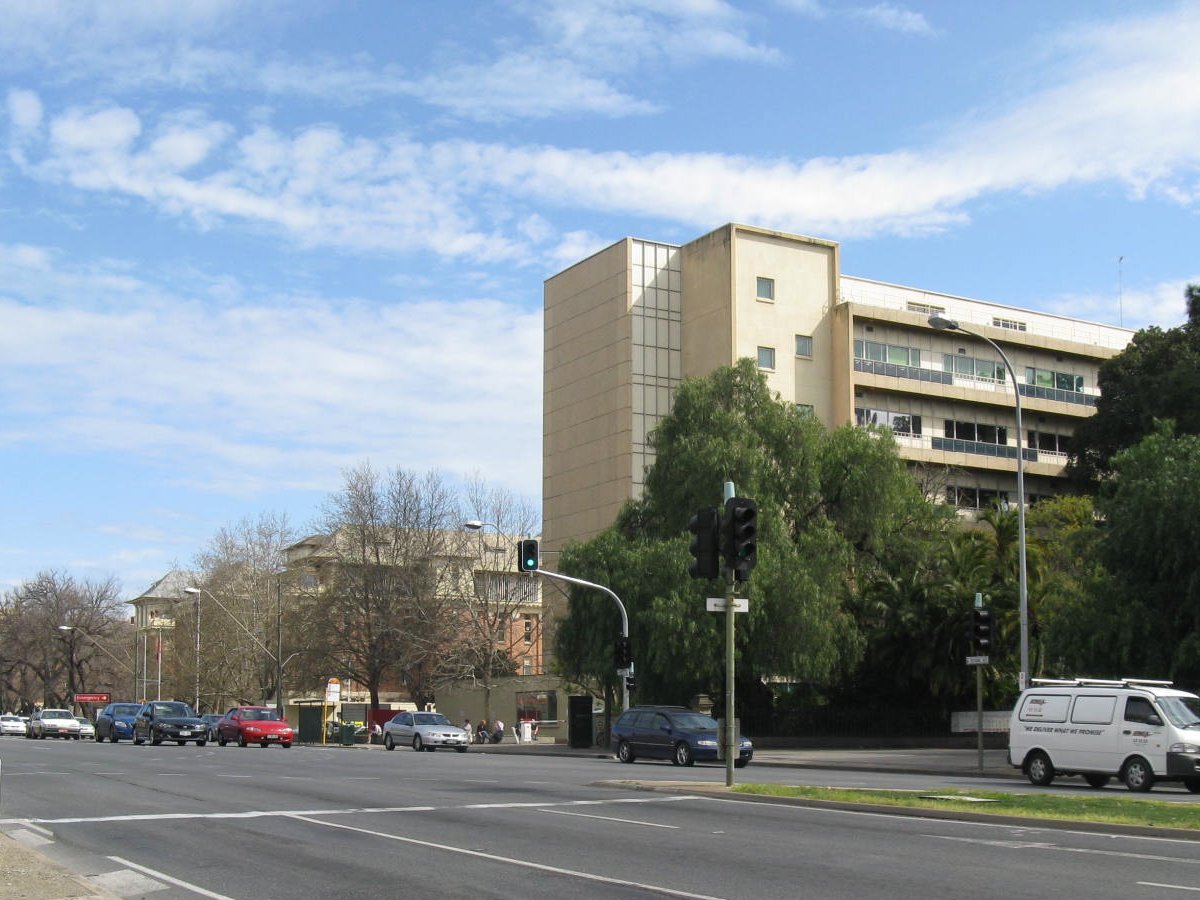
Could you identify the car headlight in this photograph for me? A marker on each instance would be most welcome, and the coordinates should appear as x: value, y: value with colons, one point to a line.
x: 1181, y: 747
x: 252, y: 729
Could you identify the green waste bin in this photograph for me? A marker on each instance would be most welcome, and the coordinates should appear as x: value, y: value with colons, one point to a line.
x: 347, y: 733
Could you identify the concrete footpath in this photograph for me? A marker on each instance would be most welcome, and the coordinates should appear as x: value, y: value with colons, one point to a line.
x: 27, y: 874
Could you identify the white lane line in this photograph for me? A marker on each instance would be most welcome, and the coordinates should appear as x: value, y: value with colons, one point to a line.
x: 563, y: 812
x: 521, y: 863
x: 219, y: 775
x: 1046, y: 845
x: 178, y: 882
x: 1171, y: 887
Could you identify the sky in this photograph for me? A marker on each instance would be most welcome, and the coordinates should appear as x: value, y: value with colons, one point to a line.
x: 244, y: 247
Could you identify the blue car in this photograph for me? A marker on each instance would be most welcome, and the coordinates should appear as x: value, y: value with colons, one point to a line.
x: 671, y: 732
x: 116, y: 721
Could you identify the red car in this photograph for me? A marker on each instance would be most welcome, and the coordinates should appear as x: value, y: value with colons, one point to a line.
x: 254, y: 725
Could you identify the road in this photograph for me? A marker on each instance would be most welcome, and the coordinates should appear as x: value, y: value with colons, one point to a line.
x: 168, y: 822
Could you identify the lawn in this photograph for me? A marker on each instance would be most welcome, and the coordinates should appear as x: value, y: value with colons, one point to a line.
x: 1113, y: 810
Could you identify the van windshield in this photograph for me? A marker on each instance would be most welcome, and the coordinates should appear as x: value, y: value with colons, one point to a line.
x: 1182, y: 712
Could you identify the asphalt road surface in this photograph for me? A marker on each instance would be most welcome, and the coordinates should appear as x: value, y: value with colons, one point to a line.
x: 169, y: 821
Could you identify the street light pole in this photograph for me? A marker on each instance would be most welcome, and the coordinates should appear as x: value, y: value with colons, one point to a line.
x: 124, y: 665
x: 197, y: 591
x: 943, y: 324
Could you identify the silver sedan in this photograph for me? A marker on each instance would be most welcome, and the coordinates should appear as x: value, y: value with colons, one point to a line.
x: 424, y: 731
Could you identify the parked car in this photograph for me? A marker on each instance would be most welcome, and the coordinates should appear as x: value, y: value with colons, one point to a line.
x: 254, y: 725
x: 60, y: 723
x: 168, y: 720
x: 116, y: 722
x: 671, y: 732
x: 212, y: 719
x: 86, y: 728
x: 424, y: 731
x: 12, y: 725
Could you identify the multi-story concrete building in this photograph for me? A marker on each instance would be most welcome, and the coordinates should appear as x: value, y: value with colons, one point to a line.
x: 624, y: 326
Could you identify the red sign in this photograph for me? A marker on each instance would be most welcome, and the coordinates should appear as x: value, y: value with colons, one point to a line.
x: 93, y: 698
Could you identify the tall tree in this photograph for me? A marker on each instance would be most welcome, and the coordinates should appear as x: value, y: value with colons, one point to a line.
x: 830, y: 504
x: 389, y: 598
x: 1156, y: 377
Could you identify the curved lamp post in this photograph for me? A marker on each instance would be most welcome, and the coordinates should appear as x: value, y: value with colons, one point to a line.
x: 197, y: 591
x: 940, y: 323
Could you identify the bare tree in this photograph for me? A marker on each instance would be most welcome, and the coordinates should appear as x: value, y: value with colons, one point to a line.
x: 382, y: 596
x: 494, y: 632
x: 61, y: 636
x: 241, y: 613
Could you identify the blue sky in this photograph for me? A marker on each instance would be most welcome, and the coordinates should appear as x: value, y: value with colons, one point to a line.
x: 246, y: 246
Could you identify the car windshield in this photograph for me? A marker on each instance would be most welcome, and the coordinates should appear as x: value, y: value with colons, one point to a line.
x: 125, y: 709
x: 695, y: 721
x: 56, y: 714
x: 260, y: 715
x: 172, y: 709
x: 1182, y: 712
x: 430, y: 719
x: 82, y: 721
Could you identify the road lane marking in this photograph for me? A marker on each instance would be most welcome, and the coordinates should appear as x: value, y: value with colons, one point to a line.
x: 521, y: 863
x: 170, y: 879
x: 1171, y: 887
x: 563, y: 812
x: 1046, y: 845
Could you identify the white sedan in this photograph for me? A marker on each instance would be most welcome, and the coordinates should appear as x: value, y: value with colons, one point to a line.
x: 86, y: 728
x: 424, y: 731
x: 12, y: 725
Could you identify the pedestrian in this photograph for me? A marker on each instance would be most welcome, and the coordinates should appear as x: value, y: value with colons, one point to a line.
x: 481, y: 734
x: 498, y: 731
x: 466, y: 726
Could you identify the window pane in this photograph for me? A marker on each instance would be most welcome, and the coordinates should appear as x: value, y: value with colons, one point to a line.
x: 1045, y: 378
x: 858, y: 350
x: 897, y: 355
x: 804, y: 345
x: 964, y: 365
x: 875, y: 351
x: 766, y: 288
x: 766, y: 357
x: 1064, y: 382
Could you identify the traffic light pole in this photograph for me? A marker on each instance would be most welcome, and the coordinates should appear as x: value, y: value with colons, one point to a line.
x: 624, y: 621
x: 729, y: 739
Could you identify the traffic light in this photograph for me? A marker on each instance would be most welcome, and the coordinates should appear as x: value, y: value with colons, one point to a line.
x: 622, y: 653
x: 630, y: 683
x: 527, y: 556
x: 705, y: 525
x: 739, y: 536
x: 981, y: 628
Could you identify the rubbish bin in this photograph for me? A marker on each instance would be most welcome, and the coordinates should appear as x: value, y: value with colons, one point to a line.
x: 347, y: 732
x: 526, y: 732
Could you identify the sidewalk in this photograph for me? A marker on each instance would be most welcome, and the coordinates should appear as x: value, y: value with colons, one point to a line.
x: 27, y: 874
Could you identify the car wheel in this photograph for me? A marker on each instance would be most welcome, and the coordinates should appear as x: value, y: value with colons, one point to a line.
x: 96, y: 737
x: 625, y: 752
x: 1096, y: 781
x: 1038, y: 768
x: 221, y: 742
x: 461, y: 749
x: 388, y: 743
x: 418, y: 744
x: 139, y: 741
x: 201, y: 743
x: 1192, y: 784
x: 112, y: 738
x: 741, y: 763
x: 682, y: 755
x: 242, y: 740
x: 286, y: 745
x: 1137, y: 775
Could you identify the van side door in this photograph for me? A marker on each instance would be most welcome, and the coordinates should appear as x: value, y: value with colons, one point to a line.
x: 1142, y: 733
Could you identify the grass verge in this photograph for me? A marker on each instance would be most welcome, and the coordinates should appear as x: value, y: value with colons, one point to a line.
x: 1112, y: 810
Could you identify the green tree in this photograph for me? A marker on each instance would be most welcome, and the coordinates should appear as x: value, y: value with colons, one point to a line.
x: 1150, y: 544
x: 1156, y: 377
x: 832, y: 509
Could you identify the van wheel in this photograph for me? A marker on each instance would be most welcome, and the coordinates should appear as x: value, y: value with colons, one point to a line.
x: 1137, y: 775
x: 625, y: 752
x: 1096, y: 781
x: 1192, y: 784
x: 388, y: 743
x: 1039, y: 769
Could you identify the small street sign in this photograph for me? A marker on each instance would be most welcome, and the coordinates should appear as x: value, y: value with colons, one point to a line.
x: 977, y: 660
x: 717, y: 604
x: 93, y: 698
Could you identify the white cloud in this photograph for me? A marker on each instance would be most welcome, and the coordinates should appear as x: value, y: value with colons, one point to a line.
x: 274, y: 391
x: 894, y: 18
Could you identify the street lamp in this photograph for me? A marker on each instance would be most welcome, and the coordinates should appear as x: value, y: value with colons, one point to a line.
x: 940, y: 323
x: 197, y: 591
x: 124, y: 665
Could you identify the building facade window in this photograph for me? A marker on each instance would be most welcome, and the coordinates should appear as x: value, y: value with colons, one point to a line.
x: 924, y: 309
x: 975, y: 498
x: 804, y: 345
x: 805, y: 409
x: 530, y: 623
x: 1010, y: 324
x: 1059, y: 381
x: 1049, y: 441
x: 765, y: 289
x: 900, y: 423
x: 987, y: 369
x: 766, y: 357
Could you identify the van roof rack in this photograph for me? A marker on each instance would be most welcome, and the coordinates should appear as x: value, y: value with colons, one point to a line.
x: 1101, y: 682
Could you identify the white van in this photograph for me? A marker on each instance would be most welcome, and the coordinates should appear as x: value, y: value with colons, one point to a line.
x: 1138, y: 731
